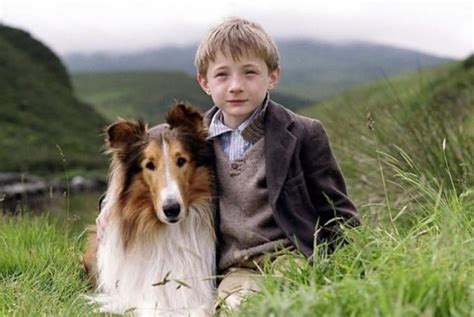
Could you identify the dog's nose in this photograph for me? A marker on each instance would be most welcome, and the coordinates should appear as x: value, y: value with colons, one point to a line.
x: 171, y: 210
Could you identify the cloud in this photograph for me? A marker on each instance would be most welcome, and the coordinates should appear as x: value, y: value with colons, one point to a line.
x: 440, y: 27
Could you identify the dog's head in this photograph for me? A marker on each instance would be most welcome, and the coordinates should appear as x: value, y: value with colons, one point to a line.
x: 165, y: 168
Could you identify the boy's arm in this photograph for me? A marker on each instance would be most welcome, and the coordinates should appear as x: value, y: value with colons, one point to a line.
x: 326, y: 187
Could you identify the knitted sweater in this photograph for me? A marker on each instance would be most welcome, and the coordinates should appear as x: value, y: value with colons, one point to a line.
x: 246, y: 225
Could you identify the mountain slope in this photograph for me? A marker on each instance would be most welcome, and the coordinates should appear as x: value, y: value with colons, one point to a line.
x: 39, y: 112
x: 310, y: 69
x: 319, y: 69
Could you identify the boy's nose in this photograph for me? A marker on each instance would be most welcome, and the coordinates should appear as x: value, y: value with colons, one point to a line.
x: 236, y: 85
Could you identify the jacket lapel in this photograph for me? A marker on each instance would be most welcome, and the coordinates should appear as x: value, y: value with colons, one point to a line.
x: 279, y: 146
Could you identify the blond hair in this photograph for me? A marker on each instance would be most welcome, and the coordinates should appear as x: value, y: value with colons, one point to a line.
x: 236, y: 37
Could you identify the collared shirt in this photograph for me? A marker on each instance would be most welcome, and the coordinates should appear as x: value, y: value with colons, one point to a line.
x: 232, y: 141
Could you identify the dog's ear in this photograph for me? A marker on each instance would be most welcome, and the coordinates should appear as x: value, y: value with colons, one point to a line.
x: 187, y: 118
x: 125, y: 132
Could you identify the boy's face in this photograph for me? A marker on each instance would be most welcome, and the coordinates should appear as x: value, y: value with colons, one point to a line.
x: 238, y: 87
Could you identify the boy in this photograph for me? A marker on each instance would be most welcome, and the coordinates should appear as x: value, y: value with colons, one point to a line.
x: 278, y: 181
x: 279, y: 186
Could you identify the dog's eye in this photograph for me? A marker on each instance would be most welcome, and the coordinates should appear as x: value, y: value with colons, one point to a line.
x: 180, y: 161
x: 150, y: 166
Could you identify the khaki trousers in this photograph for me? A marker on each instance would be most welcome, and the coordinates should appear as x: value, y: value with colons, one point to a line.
x: 246, y: 279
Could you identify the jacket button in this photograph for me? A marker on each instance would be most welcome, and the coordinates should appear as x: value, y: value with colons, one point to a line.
x: 234, y: 165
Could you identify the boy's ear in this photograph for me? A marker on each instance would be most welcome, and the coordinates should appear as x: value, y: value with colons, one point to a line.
x: 125, y: 132
x: 203, y: 83
x: 274, y: 77
x: 187, y: 118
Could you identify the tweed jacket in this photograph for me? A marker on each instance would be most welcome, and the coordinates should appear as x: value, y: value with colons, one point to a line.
x: 306, y: 188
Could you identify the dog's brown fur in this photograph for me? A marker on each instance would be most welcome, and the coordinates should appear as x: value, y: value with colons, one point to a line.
x: 133, y: 148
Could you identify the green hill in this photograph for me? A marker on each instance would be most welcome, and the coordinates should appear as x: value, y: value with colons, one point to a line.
x: 421, y: 122
x: 148, y: 94
x: 39, y: 112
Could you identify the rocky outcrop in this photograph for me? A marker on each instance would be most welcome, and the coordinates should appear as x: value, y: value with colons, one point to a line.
x: 19, y: 191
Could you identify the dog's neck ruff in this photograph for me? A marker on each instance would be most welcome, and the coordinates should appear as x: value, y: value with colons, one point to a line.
x: 171, y: 270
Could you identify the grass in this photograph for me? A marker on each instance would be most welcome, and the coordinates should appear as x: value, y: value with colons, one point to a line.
x: 39, y: 270
x: 418, y: 263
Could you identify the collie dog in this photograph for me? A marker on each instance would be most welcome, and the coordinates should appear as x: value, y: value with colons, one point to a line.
x: 157, y: 253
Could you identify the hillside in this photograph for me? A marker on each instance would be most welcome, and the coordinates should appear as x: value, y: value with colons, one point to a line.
x: 311, y: 69
x: 320, y: 70
x: 148, y: 94
x: 39, y: 112
x: 422, y: 122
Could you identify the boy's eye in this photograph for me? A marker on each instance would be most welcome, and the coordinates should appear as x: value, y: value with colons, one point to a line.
x: 221, y: 74
x: 150, y: 166
x: 250, y: 72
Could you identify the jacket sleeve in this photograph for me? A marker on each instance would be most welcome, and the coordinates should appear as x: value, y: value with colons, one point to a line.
x: 326, y: 187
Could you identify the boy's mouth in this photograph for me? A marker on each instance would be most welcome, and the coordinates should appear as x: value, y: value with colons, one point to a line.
x: 236, y: 100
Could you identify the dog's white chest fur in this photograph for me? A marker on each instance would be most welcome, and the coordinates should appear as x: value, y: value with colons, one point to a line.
x: 169, y: 272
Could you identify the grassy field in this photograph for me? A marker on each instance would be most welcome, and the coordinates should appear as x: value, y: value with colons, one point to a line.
x: 388, y: 269
x: 40, y: 274
x: 405, y: 146
x: 418, y: 263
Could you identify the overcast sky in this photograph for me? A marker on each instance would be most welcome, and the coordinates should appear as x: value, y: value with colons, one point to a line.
x: 442, y: 27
